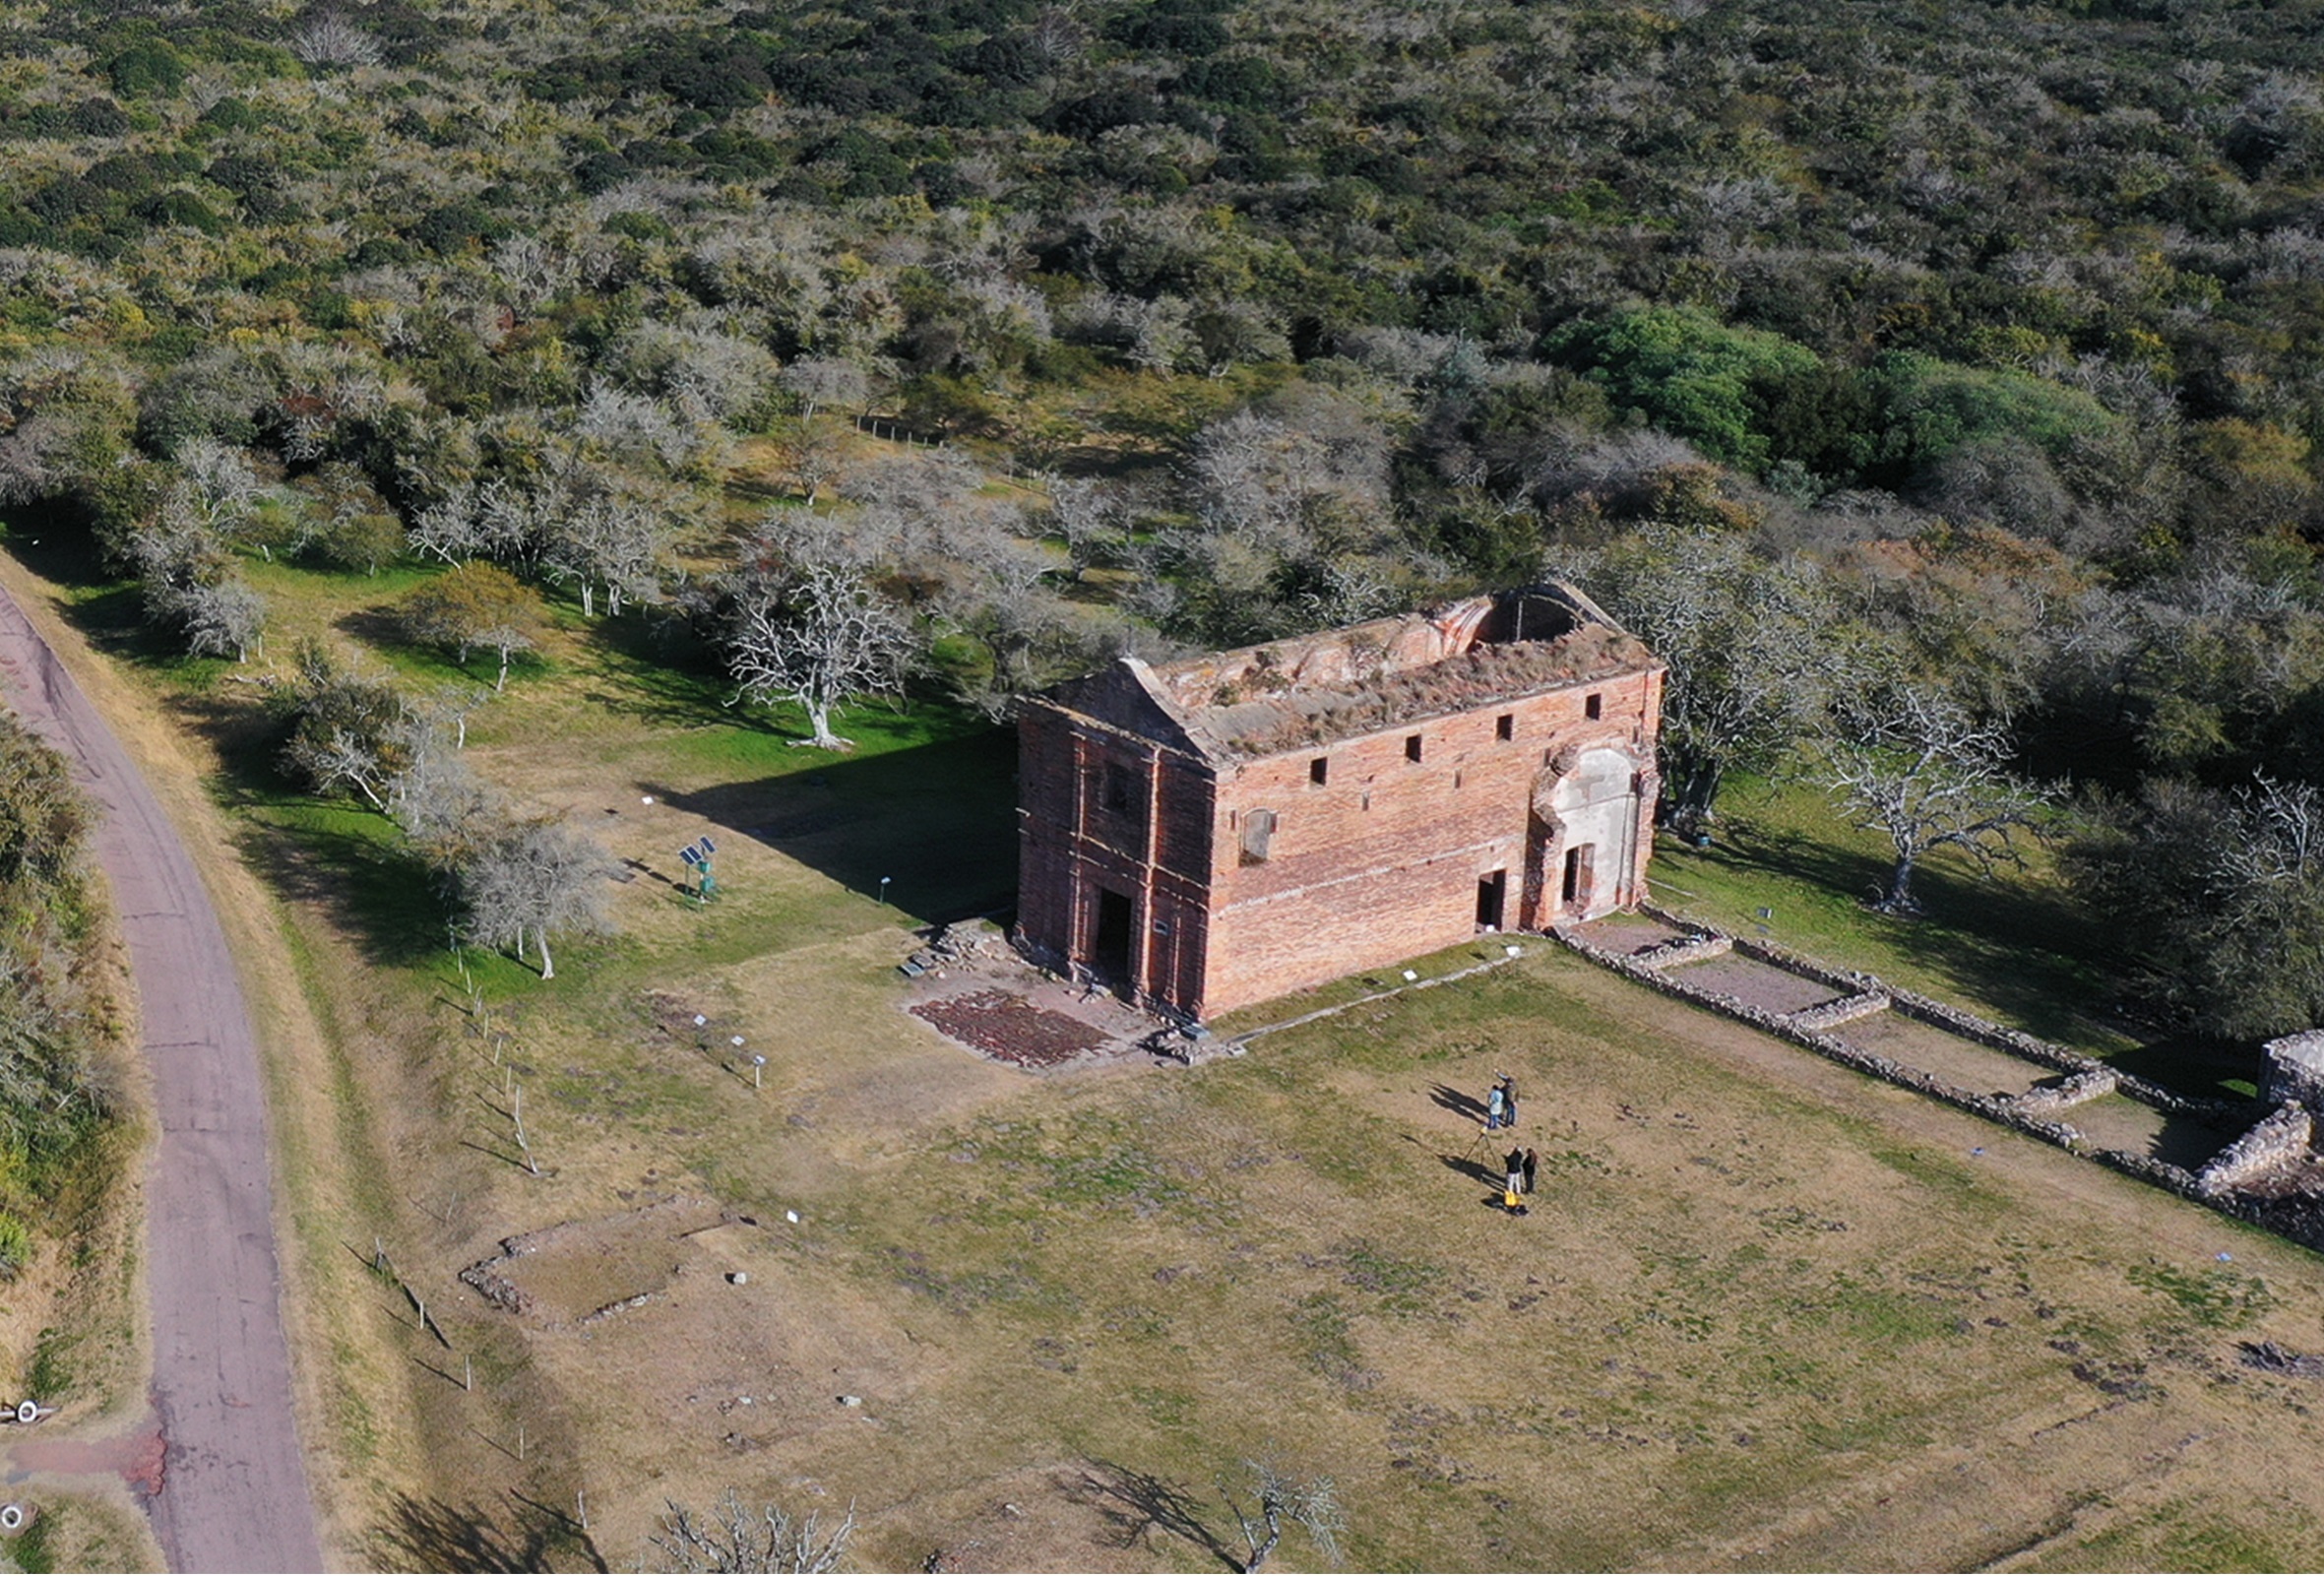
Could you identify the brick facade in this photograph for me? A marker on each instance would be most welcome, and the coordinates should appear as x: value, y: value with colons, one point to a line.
x: 1214, y: 833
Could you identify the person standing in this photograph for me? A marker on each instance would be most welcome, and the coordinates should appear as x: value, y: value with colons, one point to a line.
x: 1495, y: 1108
x: 1514, y: 1164
x: 1508, y: 1101
x: 1527, y: 1168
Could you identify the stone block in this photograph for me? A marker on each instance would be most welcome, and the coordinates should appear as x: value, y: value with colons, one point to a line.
x: 2295, y: 1070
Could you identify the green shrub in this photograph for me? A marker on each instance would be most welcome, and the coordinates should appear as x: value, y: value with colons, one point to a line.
x: 15, y: 1246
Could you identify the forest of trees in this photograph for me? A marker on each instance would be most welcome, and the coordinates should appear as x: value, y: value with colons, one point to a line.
x: 1937, y: 387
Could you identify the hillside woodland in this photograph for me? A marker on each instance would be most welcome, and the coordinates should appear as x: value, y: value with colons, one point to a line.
x: 54, y: 1100
x: 1938, y: 386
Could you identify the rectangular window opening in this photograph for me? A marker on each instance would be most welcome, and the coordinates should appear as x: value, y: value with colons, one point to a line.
x: 1505, y: 727
x: 1319, y: 769
x: 1593, y: 707
x: 1114, y: 789
x: 1411, y: 747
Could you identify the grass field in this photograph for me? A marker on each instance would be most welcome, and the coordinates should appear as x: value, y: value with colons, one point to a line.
x: 1764, y: 1315
x: 2016, y: 949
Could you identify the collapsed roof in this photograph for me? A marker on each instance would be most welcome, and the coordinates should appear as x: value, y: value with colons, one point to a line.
x: 1313, y: 690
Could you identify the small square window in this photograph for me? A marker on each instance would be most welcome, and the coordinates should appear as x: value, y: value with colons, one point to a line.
x: 1411, y: 747
x: 1505, y: 727
x: 1319, y: 770
x: 1593, y: 707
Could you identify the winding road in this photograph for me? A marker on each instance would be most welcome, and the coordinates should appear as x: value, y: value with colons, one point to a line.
x: 233, y: 1493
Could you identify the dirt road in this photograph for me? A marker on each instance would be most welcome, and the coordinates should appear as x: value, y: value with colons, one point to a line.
x: 234, y: 1494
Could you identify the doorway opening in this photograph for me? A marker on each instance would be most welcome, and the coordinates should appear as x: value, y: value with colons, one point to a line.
x: 1109, y: 950
x: 1579, y: 877
x: 1492, y: 894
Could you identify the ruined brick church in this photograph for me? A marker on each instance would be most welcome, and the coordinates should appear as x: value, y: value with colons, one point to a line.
x: 1205, y: 833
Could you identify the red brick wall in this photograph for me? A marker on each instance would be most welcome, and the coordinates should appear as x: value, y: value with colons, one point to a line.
x: 1378, y: 863
x: 1151, y: 844
x: 1381, y: 863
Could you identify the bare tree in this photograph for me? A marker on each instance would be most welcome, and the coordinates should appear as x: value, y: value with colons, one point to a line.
x: 225, y: 618
x: 474, y: 604
x: 340, y: 756
x: 1000, y: 595
x: 1091, y: 517
x: 1909, y: 762
x: 445, y: 809
x: 822, y: 380
x: 535, y: 878
x: 344, y: 725
x: 819, y: 635
x: 1744, y: 638
x: 1278, y: 1499
x: 216, y: 485
x: 497, y: 520
x: 814, y: 463
x: 610, y: 544
x: 730, y: 1537
x: 188, y: 576
x: 330, y: 39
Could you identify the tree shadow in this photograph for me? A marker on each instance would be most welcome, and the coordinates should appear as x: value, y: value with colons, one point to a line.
x: 374, y: 892
x: 939, y: 820
x: 1136, y: 1504
x: 2030, y: 951
x: 432, y: 1534
x: 2196, y: 1065
x: 377, y: 626
x: 653, y: 666
x: 358, y: 871
x: 107, y: 609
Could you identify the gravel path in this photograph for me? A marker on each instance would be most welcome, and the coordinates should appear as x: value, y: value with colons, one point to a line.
x: 233, y: 1495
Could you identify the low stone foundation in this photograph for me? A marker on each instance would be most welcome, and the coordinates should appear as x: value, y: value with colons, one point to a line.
x: 1683, y: 950
x: 2283, y: 1134
x: 2277, y: 1138
x: 1840, y: 1010
x: 1785, y: 1026
x: 2081, y: 1087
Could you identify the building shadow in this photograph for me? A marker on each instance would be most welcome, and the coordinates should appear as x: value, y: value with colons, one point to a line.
x: 432, y: 1534
x: 937, y: 820
x: 2190, y: 1141
x: 1135, y: 1505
